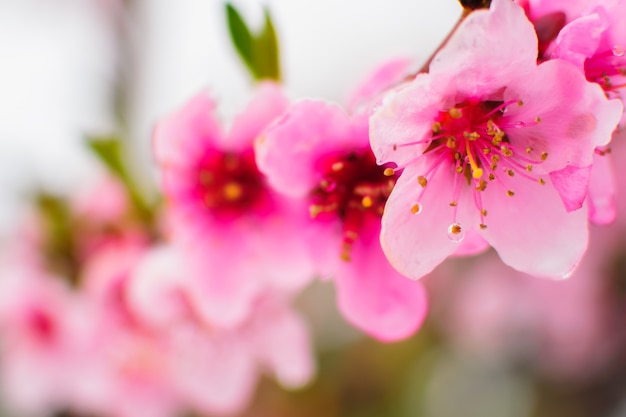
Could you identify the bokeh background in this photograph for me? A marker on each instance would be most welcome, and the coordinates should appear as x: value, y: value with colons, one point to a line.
x: 495, y: 344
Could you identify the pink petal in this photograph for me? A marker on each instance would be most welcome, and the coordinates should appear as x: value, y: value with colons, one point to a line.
x: 601, y: 200
x: 289, y: 149
x: 579, y: 40
x: 416, y: 243
x: 382, y: 78
x: 188, y: 131
x: 532, y: 231
x: 472, y: 244
x: 377, y: 299
x: 268, y: 103
x: 406, y: 116
x: 569, y: 133
x: 284, y: 345
x: 489, y: 48
x: 572, y: 184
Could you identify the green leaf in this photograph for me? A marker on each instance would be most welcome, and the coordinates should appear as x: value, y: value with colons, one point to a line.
x: 109, y: 151
x: 259, y: 52
x: 241, y: 37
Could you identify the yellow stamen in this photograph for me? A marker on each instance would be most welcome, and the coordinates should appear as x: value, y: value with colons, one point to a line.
x: 476, y: 171
x: 232, y: 191
x: 389, y: 172
x: 367, y: 201
x: 421, y: 180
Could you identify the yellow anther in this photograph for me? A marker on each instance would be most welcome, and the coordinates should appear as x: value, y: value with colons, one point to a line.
x: 529, y: 149
x: 486, y: 151
x: 506, y: 151
x: 338, y: 166
x: 457, y: 156
x: 455, y: 229
x: 455, y: 113
x: 476, y: 171
x: 483, y: 226
x: 416, y: 208
x: 542, y: 181
x: 538, y: 119
x: 451, y: 142
x: 520, y: 103
x: 232, y: 191
x: 459, y: 169
x: 529, y: 168
x: 314, y: 210
x: 436, y: 127
x: 510, y: 172
x: 481, y: 186
x: 421, y: 180
x: 492, y: 177
x: 367, y: 201
x: 389, y: 172
x: 544, y: 156
x: 483, y: 212
x: 453, y: 203
x: 510, y: 193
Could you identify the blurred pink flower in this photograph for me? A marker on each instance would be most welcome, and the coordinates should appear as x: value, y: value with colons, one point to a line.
x: 237, y: 233
x: 318, y: 153
x: 489, y: 151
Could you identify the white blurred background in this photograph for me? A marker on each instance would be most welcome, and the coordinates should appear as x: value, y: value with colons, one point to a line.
x: 61, y: 59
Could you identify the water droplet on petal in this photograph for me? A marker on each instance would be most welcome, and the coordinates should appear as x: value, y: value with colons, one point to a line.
x: 618, y: 50
x: 456, y: 232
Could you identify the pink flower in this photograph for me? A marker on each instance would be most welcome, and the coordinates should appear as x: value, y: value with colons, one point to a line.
x: 317, y: 153
x: 490, y: 151
x: 237, y: 232
x: 214, y: 370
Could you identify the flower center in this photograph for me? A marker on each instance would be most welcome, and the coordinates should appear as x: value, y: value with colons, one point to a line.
x: 608, y: 68
x: 230, y: 184
x: 471, y: 139
x: 353, y: 188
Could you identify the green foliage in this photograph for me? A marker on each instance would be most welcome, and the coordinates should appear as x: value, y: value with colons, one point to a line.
x: 259, y: 52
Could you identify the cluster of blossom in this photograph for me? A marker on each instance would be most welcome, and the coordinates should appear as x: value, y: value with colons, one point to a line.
x: 503, y: 143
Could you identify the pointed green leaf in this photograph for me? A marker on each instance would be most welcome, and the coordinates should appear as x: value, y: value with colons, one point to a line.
x: 259, y: 52
x: 241, y: 37
x: 266, y: 53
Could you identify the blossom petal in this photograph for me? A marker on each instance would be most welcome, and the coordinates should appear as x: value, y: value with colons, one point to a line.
x: 601, y: 200
x: 290, y: 148
x: 572, y: 184
x: 532, y: 231
x: 382, y: 78
x: 376, y: 298
x: 416, y: 243
x: 268, y: 104
x: 489, y: 48
x: 186, y: 132
x: 407, y: 116
x: 579, y: 40
x: 567, y: 134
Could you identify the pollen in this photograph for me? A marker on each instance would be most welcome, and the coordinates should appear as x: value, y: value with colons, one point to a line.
x: 232, y: 191
x: 541, y: 181
x: 416, y: 208
x: 529, y: 149
x: 367, y: 201
x: 455, y: 113
x: 510, y: 172
x: 544, y: 156
x: 421, y: 180
x: 483, y: 226
x: 436, y: 127
x: 453, y: 204
x: 510, y: 193
x: 451, y: 142
x: 389, y: 172
x: 337, y: 166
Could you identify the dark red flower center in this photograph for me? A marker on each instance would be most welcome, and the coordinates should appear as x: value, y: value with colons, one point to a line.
x: 230, y: 184
x: 353, y: 188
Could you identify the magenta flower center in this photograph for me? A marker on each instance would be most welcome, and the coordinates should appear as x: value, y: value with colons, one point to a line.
x: 354, y: 189
x: 42, y: 325
x: 229, y: 184
x: 608, y: 68
x: 470, y: 138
